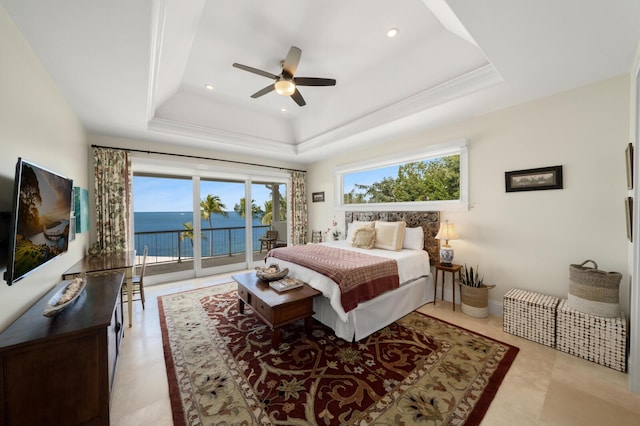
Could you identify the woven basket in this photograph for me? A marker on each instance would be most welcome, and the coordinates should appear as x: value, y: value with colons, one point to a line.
x: 474, y: 301
x: 593, y: 291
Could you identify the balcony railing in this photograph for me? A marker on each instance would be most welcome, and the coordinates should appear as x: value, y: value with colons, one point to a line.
x: 177, y: 245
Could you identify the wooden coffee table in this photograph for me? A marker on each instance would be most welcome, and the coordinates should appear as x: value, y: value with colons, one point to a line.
x: 275, y: 308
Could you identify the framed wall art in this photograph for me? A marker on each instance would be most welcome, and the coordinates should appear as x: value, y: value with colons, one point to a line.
x: 628, y: 209
x: 81, y: 204
x: 628, y: 155
x: 317, y: 197
x: 533, y: 179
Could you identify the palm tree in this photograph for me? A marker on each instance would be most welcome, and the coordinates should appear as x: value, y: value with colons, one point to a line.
x: 188, y: 233
x: 268, y: 207
x: 241, y: 208
x: 208, y: 206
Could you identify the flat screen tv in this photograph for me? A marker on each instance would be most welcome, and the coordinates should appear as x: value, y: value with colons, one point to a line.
x: 39, y: 227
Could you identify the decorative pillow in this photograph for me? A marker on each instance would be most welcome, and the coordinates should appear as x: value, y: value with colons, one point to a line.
x: 390, y: 235
x: 413, y: 238
x: 364, y: 238
x: 355, y: 225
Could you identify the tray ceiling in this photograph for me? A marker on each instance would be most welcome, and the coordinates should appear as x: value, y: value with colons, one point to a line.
x: 140, y: 69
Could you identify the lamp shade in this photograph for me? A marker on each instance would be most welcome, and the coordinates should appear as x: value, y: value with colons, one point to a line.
x: 447, y: 232
x: 285, y: 87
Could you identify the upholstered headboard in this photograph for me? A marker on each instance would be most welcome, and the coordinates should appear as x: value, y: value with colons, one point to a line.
x: 429, y: 221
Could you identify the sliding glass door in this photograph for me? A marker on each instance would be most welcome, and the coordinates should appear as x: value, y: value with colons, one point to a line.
x: 223, y: 227
x: 199, y: 225
x: 163, y: 222
x: 272, y: 198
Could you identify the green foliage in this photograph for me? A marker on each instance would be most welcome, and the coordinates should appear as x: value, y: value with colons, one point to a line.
x: 353, y: 197
x: 30, y: 256
x: 210, y: 205
x: 470, y: 277
x: 430, y: 180
x: 241, y: 209
x: 188, y: 233
x: 268, y: 208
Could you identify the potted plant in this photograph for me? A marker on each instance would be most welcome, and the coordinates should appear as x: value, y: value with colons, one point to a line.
x: 474, y: 293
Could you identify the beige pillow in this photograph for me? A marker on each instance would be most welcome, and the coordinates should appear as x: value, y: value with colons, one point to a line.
x: 390, y: 235
x: 355, y: 225
x: 364, y: 238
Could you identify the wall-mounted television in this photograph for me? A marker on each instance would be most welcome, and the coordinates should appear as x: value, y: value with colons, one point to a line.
x: 39, y: 226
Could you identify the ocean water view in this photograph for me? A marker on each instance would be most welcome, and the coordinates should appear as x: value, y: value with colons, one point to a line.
x: 164, y: 234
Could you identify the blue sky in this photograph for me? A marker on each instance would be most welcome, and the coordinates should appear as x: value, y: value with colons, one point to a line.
x: 154, y: 194
x: 151, y: 194
x: 368, y: 177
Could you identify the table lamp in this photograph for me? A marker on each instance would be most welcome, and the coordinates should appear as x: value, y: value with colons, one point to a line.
x: 447, y: 232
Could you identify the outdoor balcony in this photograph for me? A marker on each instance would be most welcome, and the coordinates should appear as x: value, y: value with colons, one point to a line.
x: 172, y: 251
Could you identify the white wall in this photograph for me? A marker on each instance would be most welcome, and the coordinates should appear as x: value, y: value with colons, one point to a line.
x: 37, y: 124
x: 529, y: 239
x: 634, y: 250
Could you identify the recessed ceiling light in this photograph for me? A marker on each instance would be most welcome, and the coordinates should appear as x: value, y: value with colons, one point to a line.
x: 209, y: 86
x: 392, y: 32
x: 283, y: 109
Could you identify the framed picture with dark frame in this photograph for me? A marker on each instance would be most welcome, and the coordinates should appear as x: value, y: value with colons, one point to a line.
x: 317, y: 197
x: 628, y: 208
x: 628, y: 155
x: 533, y: 179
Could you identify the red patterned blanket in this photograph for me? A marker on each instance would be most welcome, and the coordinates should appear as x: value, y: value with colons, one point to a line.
x: 361, y: 277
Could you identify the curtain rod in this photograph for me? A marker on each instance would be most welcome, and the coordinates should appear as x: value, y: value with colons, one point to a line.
x: 198, y: 157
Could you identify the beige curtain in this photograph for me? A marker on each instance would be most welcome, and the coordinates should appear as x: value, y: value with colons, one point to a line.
x: 113, y: 178
x: 298, y: 202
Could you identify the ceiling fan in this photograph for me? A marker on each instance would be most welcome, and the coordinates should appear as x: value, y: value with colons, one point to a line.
x: 285, y: 83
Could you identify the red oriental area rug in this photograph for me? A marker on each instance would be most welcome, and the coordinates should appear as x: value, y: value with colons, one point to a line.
x: 222, y: 369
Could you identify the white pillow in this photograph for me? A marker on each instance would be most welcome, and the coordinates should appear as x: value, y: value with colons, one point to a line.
x: 390, y: 235
x: 413, y: 238
x: 354, y: 226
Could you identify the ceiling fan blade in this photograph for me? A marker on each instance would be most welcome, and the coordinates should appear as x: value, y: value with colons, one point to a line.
x: 314, y: 81
x: 297, y: 97
x: 292, y: 60
x: 264, y: 91
x: 255, y: 71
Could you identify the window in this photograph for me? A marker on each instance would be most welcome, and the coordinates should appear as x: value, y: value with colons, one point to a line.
x: 433, y: 178
x: 194, y: 217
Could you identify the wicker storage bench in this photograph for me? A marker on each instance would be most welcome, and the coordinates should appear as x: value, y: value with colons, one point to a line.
x: 530, y: 315
x: 599, y: 339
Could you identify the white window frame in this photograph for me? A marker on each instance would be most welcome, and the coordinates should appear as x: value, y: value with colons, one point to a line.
x: 459, y: 147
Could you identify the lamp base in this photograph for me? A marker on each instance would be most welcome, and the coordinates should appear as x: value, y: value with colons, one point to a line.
x: 446, y: 256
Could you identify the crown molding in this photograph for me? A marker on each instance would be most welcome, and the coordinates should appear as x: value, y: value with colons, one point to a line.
x: 221, y: 138
x: 470, y: 82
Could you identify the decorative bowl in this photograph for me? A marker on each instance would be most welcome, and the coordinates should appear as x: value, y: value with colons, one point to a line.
x: 271, y: 273
x: 73, y: 290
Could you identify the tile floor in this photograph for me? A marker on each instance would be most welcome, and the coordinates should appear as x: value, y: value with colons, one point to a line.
x: 543, y: 386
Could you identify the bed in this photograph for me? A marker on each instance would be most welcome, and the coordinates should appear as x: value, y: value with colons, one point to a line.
x: 413, y: 286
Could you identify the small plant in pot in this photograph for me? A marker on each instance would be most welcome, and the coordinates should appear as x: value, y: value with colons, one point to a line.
x: 474, y: 293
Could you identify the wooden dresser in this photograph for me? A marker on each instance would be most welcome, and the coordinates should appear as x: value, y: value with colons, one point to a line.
x: 59, y: 371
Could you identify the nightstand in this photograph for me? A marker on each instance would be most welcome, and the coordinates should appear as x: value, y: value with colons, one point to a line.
x: 453, y: 269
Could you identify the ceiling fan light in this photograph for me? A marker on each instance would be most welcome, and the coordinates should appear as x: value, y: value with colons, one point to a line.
x: 285, y: 87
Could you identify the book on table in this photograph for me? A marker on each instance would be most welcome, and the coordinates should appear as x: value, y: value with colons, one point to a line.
x: 286, y: 284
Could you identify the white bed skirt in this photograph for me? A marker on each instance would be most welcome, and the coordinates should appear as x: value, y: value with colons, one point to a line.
x: 377, y: 313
